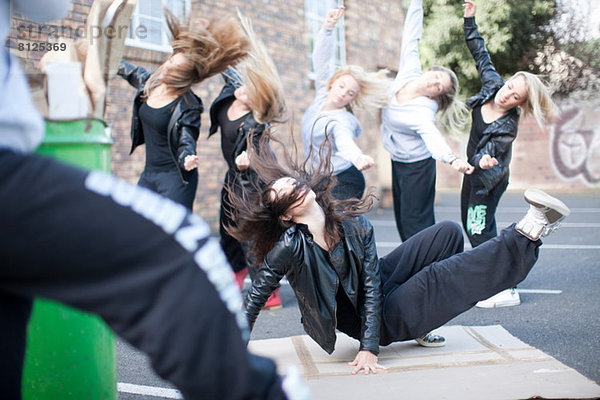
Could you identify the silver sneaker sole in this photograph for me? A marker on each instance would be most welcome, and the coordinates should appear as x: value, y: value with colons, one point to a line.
x: 554, y: 209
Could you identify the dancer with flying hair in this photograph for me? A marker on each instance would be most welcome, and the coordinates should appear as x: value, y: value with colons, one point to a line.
x: 250, y: 101
x: 495, y: 114
x: 326, y: 250
x: 166, y: 112
x: 330, y: 116
x: 410, y: 134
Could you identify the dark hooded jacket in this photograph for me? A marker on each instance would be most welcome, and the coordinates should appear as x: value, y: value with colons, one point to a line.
x: 496, y: 140
x: 184, y: 125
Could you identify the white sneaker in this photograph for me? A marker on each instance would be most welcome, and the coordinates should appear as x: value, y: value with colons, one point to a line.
x: 544, y: 215
x: 506, y: 298
x: 431, y: 340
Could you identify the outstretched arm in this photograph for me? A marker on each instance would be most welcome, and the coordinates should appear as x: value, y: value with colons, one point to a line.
x: 476, y: 45
x: 410, y: 62
x: 135, y: 75
x: 325, y: 47
x: 346, y: 147
x: 370, y: 311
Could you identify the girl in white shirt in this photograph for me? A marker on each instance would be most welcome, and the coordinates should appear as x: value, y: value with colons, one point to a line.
x: 409, y: 133
x: 330, y: 119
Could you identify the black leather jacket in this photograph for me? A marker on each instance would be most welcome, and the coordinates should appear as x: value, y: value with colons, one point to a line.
x: 184, y: 126
x: 248, y: 127
x: 315, y: 282
x: 497, y: 138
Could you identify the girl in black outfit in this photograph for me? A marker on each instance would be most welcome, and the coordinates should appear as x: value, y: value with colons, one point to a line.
x: 495, y: 112
x: 326, y: 249
x: 166, y: 112
x: 251, y: 100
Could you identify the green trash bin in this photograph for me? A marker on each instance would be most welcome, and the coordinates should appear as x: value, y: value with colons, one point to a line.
x: 71, y: 354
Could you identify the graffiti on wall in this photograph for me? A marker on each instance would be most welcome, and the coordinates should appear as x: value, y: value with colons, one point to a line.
x: 576, y: 144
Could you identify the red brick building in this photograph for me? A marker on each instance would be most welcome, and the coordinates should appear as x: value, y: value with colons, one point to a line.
x: 369, y: 36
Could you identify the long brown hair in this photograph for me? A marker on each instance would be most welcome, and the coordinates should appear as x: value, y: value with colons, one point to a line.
x: 262, y: 82
x: 259, y: 214
x: 209, y: 48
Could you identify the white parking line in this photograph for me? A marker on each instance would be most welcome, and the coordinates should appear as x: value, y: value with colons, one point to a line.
x: 154, y: 391
x: 391, y: 222
x: 387, y: 245
x: 522, y: 209
x: 539, y: 291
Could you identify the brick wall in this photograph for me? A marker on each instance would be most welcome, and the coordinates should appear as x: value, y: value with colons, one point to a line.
x: 371, y: 41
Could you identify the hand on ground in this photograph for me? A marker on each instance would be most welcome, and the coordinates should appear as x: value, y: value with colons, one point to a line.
x: 367, y: 362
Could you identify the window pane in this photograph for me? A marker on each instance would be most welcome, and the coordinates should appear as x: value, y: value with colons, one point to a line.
x: 177, y: 7
x: 152, y: 29
x: 150, y: 8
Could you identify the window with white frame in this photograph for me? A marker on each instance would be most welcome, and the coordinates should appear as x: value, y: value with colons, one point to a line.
x: 315, y: 12
x: 148, y: 27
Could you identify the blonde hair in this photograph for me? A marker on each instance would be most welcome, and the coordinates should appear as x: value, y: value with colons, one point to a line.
x: 208, y: 47
x: 539, y: 103
x: 455, y: 114
x: 262, y: 82
x: 372, y: 92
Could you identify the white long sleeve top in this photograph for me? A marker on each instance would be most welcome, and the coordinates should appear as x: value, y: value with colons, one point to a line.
x: 341, y: 125
x: 408, y: 131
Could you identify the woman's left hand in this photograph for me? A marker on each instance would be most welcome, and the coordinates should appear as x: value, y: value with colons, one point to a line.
x: 367, y: 361
x: 190, y: 162
x: 242, y: 162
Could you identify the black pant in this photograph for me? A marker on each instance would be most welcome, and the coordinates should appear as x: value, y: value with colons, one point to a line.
x: 478, y: 208
x: 428, y: 280
x: 169, y: 183
x: 145, y: 264
x: 350, y: 184
x: 235, y: 251
x: 413, y: 190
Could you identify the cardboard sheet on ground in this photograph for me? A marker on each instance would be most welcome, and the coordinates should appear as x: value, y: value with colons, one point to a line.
x: 477, y: 363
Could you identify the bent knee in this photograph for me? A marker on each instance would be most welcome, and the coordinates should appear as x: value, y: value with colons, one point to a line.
x: 452, y: 229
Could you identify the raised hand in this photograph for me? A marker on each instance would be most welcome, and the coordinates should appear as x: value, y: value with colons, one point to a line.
x: 470, y: 7
x: 333, y: 17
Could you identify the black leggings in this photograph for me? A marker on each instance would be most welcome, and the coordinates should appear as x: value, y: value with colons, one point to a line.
x: 170, y: 184
x: 145, y: 264
x: 428, y: 280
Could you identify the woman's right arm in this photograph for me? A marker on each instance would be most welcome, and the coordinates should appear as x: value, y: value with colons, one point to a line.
x: 410, y: 63
x: 325, y: 48
x: 265, y: 282
x: 476, y: 45
x: 136, y: 76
